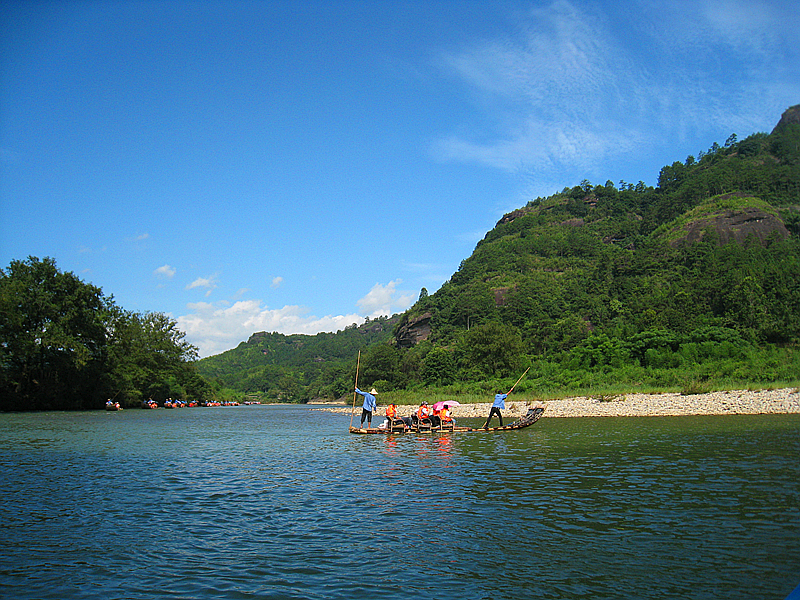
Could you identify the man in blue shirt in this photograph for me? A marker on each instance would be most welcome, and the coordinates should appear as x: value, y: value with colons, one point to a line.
x: 499, y: 402
x: 369, y: 405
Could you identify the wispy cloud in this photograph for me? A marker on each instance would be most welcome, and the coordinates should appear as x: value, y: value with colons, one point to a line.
x: 573, y: 86
x: 556, y: 85
x: 88, y: 250
x: 165, y: 272
x: 209, y: 283
x: 754, y: 27
x: 276, y: 282
x: 433, y: 272
x: 216, y: 327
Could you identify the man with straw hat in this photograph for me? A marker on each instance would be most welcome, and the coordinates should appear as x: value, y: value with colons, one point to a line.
x: 370, y: 404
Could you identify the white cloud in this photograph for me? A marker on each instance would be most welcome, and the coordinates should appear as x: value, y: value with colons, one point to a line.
x: 216, y: 327
x: 276, y: 282
x: 209, y: 283
x: 165, y: 272
x: 753, y: 27
x: 385, y: 300
x: 573, y: 88
x: 555, y: 86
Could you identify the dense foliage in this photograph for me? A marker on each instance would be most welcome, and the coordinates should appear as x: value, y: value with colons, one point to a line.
x: 598, y: 286
x: 64, y: 345
x: 298, y: 368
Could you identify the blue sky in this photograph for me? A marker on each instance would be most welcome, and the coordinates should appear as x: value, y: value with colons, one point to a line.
x: 300, y: 166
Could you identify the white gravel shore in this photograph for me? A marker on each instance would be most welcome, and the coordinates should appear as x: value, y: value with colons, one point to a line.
x: 739, y: 402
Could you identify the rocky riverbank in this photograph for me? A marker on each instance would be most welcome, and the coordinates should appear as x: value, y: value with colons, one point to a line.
x: 739, y: 402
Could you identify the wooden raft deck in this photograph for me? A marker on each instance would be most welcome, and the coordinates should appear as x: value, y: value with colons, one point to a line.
x: 533, y: 415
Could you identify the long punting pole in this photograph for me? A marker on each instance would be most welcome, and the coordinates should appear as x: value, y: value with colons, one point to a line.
x: 518, y: 380
x: 358, y: 364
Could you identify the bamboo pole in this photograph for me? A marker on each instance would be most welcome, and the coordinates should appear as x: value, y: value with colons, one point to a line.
x: 358, y: 364
x: 518, y: 380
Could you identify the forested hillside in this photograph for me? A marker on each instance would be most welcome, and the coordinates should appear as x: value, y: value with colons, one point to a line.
x: 296, y: 367
x: 692, y: 284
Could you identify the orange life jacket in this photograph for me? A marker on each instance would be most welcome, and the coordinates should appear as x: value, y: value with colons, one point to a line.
x: 391, y: 411
x: 423, y: 412
x: 445, y: 415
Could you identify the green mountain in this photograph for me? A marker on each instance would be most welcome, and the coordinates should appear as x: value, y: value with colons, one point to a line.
x: 693, y: 283
x: 295, y: 367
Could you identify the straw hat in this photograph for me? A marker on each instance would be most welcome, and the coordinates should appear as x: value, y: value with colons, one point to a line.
x: 373, y: 391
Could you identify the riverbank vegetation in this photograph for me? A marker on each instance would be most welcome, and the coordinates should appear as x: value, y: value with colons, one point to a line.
x: 64, y: 345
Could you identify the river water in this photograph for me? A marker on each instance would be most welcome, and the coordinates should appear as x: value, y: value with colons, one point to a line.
x: 281, y: 502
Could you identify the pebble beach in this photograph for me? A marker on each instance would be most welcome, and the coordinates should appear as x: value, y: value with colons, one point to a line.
x: 737, y: 402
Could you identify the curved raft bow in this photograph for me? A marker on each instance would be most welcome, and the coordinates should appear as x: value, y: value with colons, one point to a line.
x: 533, y: 415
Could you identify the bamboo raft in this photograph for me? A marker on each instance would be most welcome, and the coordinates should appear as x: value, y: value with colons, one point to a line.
x: 399, y: 427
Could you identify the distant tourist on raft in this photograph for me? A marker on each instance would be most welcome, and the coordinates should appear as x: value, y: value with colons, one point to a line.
x: 370, y: 404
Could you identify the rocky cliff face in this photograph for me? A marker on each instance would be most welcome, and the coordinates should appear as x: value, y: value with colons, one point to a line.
x: 416, y: 330
x: 734, y: 224
x: 791, y: 116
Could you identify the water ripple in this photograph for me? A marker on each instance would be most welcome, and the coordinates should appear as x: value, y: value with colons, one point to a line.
x: 280, y: 502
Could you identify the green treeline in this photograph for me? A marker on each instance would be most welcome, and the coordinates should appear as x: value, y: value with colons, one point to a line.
x: 66, y: 346
x: 693, y: 284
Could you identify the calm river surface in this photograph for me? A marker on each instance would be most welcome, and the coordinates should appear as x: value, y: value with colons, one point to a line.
x: 281, y: 502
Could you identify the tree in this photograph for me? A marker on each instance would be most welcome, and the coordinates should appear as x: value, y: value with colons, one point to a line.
x: 494, y: 348
x: 52, y: 338
x: 64, y: 345
x: 473, y: 304
x: 147, y: 352
x: 381, y: 362
x: 672, y: 176
x: 438, y: 367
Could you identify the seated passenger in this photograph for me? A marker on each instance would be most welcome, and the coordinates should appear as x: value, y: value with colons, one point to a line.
x: 436, y: 418
x: 392, y: 416
x: 423, y: 413
x: 445, y: 417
